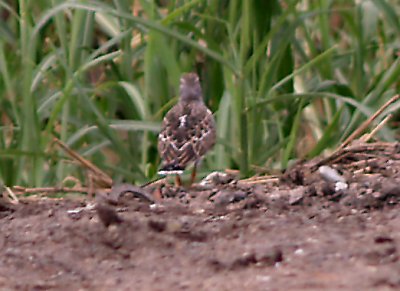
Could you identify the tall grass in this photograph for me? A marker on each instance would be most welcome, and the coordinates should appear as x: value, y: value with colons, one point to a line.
x: 286, y: 80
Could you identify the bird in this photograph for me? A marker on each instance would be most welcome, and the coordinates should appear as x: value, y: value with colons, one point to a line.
x: 188, y: 131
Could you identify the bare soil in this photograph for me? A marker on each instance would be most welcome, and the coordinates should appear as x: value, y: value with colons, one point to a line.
x: 294, y: 232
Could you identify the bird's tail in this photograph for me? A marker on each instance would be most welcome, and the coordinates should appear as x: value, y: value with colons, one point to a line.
x: 171, y: 169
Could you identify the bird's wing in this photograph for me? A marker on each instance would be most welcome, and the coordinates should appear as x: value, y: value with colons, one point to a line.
x: 188, y: 132
x: 205, y: 134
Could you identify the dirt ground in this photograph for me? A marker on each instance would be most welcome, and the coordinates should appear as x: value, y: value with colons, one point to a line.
x: 298, y: 231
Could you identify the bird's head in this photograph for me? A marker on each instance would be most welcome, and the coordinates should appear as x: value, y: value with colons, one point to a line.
x: 190, y: 89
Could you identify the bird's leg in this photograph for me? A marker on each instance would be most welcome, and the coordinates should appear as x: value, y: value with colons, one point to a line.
x: 193, y: 176
x: 178, y: 181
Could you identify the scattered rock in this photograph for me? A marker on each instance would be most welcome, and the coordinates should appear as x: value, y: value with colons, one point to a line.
x: 330, y: 174
x: 296, y: 195
x: 217, y: 178
x: 225, y: 197
x: 262, y: 257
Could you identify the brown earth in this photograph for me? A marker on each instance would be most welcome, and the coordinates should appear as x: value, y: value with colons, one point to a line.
x: 295, y: 232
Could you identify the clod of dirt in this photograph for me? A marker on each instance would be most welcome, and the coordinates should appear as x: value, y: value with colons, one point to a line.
x: 294, y: 175
x: 270, y: 256
x: 114, y: 238
x: 383, y: 239
x: 312, y: 191
x: 253, y: 202
x: 5, y: 208
x: 278, y: 200
x: 389, y: 189
x: 383, y: 251
x: 260, y: 257
x: 216, y: 264
x: 108, y: 216
x: 225, y: 197
x: 194, y: 235
x: 328, y: 189
x: 392, y: 281
x: 157, y: 225
x: 244, y: 260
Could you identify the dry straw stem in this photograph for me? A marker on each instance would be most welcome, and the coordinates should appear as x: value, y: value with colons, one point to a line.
x: 345, y: 149
x: 19, y: 190
x: 367, y: 123
x: 14, y: 199
x: 370, y: 135
x: 99, y: 176
x: 384, y: 148
x: 260, y: 180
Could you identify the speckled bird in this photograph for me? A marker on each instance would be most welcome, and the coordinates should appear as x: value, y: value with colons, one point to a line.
x: 188, y: 130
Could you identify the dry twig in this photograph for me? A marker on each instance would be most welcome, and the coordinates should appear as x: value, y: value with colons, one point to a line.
x: 366, y: 123
x: 361, y: 148
x: 260, y: 180
x: 100, y: 177
x: 370, y: 135
x: 19, y: 190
